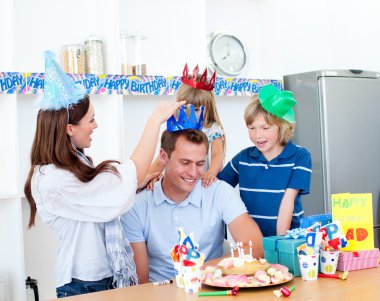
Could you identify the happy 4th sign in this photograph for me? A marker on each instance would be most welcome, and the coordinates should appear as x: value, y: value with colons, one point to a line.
x: 354, y: 211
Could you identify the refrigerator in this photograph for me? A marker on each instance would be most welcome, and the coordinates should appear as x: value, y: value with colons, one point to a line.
x: 338, y: 121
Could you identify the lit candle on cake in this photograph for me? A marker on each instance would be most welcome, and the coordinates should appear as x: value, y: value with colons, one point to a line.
x: 241, y: 251
x: 232, y: 249
x: 250, y: 248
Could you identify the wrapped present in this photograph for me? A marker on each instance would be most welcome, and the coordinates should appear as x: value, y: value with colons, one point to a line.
x: 270, y: 248
x: 324, y: 219
x: 288, y: 255
x: 350, y: 261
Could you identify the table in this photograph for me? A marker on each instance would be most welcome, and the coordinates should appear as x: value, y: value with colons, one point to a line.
x: 363, y: 285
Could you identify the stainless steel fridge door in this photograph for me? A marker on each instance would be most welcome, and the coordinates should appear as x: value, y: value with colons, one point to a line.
x: 350, y: 126
x: 338, y: 121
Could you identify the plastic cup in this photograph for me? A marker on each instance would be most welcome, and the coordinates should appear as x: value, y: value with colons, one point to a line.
x: 329, y: 261
x: 309, y: 266
x: 178, y: 274
x: 191, y: 278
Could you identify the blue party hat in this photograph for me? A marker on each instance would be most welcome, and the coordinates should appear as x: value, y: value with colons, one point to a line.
x: 184, y: 122
x: 60, y: 91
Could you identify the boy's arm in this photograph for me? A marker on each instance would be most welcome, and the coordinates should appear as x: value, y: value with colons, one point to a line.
x: 216, y: 164
x: 299, y: 183
x: 141, y: 261
x: 244, y: 229
x: 285, y: 213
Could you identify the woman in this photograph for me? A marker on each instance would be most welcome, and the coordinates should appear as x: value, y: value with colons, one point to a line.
x: 82, y: 202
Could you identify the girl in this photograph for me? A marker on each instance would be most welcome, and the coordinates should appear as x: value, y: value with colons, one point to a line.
x: 80, y: 201
x: 273, y: 174
x: 194, y: 90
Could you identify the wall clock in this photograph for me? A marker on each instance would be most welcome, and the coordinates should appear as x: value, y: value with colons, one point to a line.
x: 226, y: 54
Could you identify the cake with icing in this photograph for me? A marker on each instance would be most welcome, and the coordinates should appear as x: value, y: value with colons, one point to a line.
x: 242, y: 266
x: 275, y: 274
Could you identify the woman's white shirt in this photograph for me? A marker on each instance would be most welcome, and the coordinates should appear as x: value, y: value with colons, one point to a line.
x: 76, y: 211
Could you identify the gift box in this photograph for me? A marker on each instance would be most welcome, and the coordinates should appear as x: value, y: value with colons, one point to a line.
x: 308, y: 221
x: 278, y: 249
x: 350, y: 261
x: 270, y: 248
x: 288, y: 255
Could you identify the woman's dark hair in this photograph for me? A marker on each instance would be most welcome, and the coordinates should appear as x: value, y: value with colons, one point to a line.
x: 52, y: 145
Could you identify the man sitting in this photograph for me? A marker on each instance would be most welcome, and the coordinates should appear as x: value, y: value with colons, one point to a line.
x: 180, y: 200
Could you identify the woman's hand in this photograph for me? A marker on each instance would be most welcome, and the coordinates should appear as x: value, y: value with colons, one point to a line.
x: 142, y: 156
x: 165, y: 109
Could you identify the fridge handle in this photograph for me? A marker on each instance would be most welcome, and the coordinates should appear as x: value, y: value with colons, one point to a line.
x: 356, y: 71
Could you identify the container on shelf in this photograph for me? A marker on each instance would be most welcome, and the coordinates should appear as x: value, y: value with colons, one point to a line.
x: 132, y: 56
x: 94, y: 55
x: 73, y: 57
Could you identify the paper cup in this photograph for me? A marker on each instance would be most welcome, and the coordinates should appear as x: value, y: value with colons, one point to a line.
x: 329, y: 261
x: 178, y: 274
x: 309, y: 266
x: 191, y: 278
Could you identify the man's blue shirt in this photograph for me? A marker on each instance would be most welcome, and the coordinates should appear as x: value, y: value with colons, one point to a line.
x: 155, y: 219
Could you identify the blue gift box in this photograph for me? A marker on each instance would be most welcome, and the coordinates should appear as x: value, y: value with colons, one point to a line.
x: 308, y: 221
x: 270, y: 248
x: 288, y: 255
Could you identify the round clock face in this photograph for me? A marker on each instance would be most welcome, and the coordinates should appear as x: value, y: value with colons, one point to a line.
x: 227, y: 54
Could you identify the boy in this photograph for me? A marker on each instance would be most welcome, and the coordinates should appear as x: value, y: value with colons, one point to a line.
x: 273, y: 174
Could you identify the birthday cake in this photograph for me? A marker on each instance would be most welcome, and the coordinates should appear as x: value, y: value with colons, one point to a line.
x: 274, y: 274
x: 242, y: 265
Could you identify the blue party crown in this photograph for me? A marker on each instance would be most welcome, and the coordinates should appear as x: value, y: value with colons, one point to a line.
x: 185, y: 122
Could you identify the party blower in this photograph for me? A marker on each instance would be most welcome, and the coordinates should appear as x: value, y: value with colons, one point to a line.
x: 342, y: 276
x: 284, y: 291
x: 232, y: 292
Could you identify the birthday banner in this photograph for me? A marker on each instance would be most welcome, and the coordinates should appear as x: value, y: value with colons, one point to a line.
x: 354, y: 211
x: 33, y: 83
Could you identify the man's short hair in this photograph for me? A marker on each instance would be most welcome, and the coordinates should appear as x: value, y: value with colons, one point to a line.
x: 169, y: 139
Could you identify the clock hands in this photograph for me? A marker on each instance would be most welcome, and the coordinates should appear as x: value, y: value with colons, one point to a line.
x: 228, y: 51
x: 227, y: 55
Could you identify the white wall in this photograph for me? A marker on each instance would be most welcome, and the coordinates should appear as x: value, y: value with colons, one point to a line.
x: 291, y: 36
x: 281, y: 36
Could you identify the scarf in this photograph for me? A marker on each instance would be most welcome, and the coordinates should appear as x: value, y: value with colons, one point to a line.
x: 121, y: 254
x: 118, y: 249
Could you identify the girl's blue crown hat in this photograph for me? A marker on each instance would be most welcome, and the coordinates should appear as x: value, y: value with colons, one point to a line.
x: 278, y: 103
x: 60, y: 91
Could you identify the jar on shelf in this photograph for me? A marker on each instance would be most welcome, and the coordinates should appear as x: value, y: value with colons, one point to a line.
x: 132, y: 57
x: 73, y: 59
x: 94, y: 55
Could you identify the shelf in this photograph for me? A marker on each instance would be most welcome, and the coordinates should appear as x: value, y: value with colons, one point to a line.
x: 109, y: 84
x: 9, y: 196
